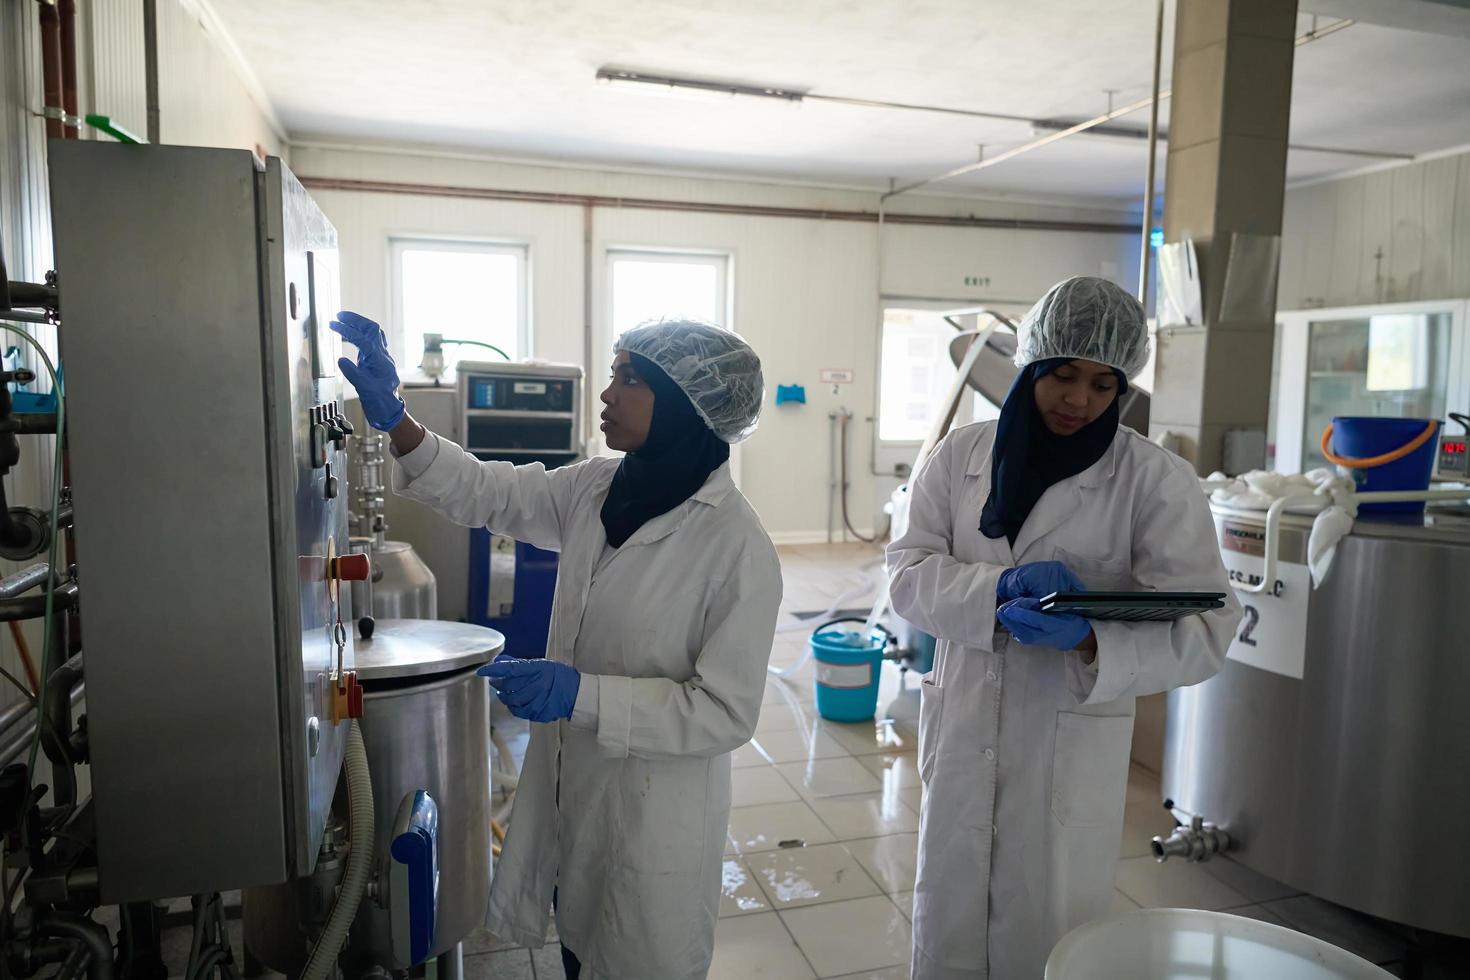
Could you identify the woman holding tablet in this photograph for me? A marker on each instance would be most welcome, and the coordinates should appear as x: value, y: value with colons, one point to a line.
x: 1027, y: 717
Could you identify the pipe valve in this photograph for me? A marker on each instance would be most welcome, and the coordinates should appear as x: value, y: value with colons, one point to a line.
x: 1199, y: 841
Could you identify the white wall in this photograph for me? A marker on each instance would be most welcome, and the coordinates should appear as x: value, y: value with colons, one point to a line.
x: 207, y: 95
x: 805, y: 292
x: 1393, y: 236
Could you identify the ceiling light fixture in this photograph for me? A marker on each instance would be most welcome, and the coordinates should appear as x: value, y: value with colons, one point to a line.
x: 652, y: 84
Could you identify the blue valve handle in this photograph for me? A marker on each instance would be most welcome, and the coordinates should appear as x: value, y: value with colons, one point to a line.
x: 414, y: 877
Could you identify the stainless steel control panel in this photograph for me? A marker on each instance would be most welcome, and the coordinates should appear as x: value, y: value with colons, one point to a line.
x: 208, y: 465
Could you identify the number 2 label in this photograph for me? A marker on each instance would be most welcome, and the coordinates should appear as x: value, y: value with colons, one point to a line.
x: 1252, y: 619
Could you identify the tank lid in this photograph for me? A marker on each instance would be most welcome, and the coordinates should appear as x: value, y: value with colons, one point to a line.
x: 423, y: 647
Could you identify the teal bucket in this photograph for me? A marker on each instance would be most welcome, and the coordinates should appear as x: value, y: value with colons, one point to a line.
x: 849, y: 664
x: 1383, y: 456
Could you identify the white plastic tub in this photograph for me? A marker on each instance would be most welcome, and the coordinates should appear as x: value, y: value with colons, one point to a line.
x: 1185, y: 944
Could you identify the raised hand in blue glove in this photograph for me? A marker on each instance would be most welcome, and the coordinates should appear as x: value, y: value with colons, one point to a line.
x: 537, y: 690
x: 1036, y: 580
x: 374, y: 375
x: 1027, y: 623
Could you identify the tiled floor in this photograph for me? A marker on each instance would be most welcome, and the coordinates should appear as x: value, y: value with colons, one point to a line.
x: 820, y: 860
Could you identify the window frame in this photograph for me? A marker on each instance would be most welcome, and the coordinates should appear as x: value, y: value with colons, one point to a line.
x: 521, y: 250
x: 722, y: 261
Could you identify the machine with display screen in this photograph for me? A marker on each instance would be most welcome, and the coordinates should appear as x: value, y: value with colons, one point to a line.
x: 519, y: 413
x: 1452, y: 461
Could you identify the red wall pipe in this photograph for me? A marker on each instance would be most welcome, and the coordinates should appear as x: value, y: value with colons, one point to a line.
x: 51, y: 70
x: 68, y: 13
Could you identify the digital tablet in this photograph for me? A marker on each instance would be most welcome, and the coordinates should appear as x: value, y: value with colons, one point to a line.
x: 1132, y: 606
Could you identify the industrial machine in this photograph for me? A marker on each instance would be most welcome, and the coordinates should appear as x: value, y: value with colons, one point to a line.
x: 1330, y: 749
x: 423, y: 699
x: 237, y: 734
x: 208, y: 461
x: 401, y: 585
x: 520, y: 413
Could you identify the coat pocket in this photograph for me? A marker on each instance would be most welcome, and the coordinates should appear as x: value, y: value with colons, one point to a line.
x: 931, y: 705
x: 664, y: 812
x: 1099, y: 574
x: 1089, y: 778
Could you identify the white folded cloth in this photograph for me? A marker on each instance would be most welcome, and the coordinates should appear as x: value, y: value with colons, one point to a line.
x: 1259, y: 489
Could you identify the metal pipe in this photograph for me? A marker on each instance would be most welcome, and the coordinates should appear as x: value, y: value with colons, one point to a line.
x: 55, y: 721
x: 53, y: 109
x: 83, y: 930
x: 24, y: 316
x: 587, y: 421
x: 1146, y: 241
x: 1094, y: 122
x: 32, y: 606
x: 24, y: 580
x: 67, y: 11
x: 150, y: 65
x: 21, y: 740
x: 707, y: 207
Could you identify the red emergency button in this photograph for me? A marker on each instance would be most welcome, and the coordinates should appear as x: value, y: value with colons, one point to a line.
x: 352, y: 568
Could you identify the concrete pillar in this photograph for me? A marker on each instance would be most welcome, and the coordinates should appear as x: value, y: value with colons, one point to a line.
x: 1228, y: 127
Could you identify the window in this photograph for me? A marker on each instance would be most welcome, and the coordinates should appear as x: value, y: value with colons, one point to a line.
x: 473, y: 291
x: 1387, y: 365
x: 915, y: 372
x: 647, y: 285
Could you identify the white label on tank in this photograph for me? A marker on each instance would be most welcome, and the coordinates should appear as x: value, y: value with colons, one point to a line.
x: 530, y: 388
x: 844, y: 675
x: 1273, y: 632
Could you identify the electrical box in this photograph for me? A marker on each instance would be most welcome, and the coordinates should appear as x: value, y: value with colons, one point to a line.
x: 208, y: 465
x: 1452, y: 461
x: 522, y: 413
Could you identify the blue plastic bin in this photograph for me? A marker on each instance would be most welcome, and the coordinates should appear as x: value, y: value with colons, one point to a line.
x: 1357, y: 438
x: 849, y: 664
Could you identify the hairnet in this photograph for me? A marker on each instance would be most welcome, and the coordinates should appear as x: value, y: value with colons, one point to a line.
x: 716, y: 369
x: 1085, y: 318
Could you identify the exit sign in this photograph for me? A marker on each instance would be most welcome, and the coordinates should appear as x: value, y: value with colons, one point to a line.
x: 977, y: 280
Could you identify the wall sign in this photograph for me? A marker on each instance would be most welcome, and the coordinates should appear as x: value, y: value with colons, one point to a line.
x: 837, y: 376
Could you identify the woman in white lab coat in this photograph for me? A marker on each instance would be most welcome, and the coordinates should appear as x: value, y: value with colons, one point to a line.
x: 661, y: 629
x: 1027, y: 717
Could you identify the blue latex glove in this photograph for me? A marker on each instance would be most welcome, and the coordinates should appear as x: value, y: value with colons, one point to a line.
x: 1027, y: 623
x: 1036, y: 580
x: 375, y: 376
x: 537, y: 690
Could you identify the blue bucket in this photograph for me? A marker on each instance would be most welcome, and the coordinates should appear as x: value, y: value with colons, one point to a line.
x: 1372, y: 450
x: 849, y: 664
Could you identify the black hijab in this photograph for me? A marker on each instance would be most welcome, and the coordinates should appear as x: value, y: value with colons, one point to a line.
x: 679, y: 455
x: 1028, y: 457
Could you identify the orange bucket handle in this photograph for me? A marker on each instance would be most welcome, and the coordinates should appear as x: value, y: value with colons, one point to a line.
x: 1380, y: 460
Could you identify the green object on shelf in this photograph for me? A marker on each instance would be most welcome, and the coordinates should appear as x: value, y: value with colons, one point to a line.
x: 115, y: 130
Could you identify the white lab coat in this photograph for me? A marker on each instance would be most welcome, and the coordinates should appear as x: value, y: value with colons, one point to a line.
x: 624, y: 808
x: 1023, y: 751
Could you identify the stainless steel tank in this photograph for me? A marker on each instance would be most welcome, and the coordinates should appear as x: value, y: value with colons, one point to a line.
x: 1350, y: 780
x: 426, y: 726
x: 402, y: 586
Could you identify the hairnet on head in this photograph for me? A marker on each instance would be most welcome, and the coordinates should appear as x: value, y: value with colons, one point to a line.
x: 716, y: 369
x: 1085, y: 318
